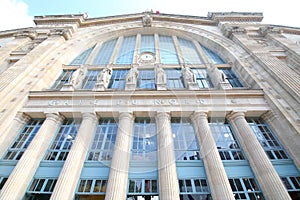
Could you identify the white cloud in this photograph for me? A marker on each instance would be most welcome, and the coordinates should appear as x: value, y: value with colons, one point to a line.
x: 13, y: 14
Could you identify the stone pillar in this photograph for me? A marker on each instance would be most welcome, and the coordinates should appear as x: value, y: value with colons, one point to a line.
x: 267, y: 177
x: 70, y: 173
x: 118, y: 175
x: 19, y: 179
x: 217, y: 178
x: 178, y: 50
x: 168, y: 181
x: 7, y: 136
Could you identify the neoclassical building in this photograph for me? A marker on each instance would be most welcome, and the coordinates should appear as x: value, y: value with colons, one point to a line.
x: 150, y: 106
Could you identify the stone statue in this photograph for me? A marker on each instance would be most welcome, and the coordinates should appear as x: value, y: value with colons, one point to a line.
x: 132, y: 75
x: 161, y: 77
x: 188, y: 74
x: 78, y: 76
x: 104, y: 76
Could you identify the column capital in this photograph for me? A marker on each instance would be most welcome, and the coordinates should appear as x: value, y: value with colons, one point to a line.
x: 198, y: 114
x: 22, y: 117
x: 235, y: 114
x: 55, y: 116
x: 161, y: 115
x: 269, y: 115
x: 128, y: 114
x: 91, y: 115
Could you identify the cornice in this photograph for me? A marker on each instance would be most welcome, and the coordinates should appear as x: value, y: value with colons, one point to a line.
x: 236, y: 16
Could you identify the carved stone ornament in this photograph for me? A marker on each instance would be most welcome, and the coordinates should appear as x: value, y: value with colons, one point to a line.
x: 229, y: 30
x: 269, y: 29
x: 60, y: 32
x: 31, y: 34
x: 147, y: 20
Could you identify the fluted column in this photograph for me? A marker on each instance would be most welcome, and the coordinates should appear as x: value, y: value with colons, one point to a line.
x: 217, y: 178
x: 19, y: 179
x: 268, y: 179
x: 70, y: 173
x: 8, y: 135
x: 168, y: 181
x: 118, y: 175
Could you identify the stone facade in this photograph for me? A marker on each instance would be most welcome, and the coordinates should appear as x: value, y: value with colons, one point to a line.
x: 266, y: 58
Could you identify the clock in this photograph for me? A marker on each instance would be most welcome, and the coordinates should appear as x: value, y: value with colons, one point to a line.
x: 147, y: 57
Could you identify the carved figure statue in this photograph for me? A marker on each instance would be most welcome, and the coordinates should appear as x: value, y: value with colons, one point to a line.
x: 132, y: 75
x: 160, y: 75
x: 104, y: 76
x: 147, y: 20
x: 188, y: 74
x: 78, y: 76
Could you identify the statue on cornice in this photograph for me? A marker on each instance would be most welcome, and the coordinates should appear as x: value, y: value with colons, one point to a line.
x: 147, y: 20
x: 132, y: 75
x: 161, y: 77
x: 104, y: 77
x: 78, y: 76
x: 188, y: 74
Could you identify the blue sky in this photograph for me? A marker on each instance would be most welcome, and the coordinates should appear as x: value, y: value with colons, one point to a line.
x: 19, y: 13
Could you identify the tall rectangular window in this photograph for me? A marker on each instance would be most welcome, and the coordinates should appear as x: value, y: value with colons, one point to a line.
x: 174, y: 78
x: 189, y: 52
x: 226, y: 142
x: 104, y: 54
x: 41, y: 188
x: 245, y: 188
x: 146, y: 79
x: 142, y: 186
x: 231, y: 77
x: 292, y: 184
x: 90, y: 79
x: 63, y: 141
x: 118, y: 79
x: 102, y: 146
x: 168, y: 54
x: 202, y: 78
x: 64, y: 78
x: 126, y: 51
x: 2, y: 182
x: 185, y: 142
x: 144, y: 143
x: 147, y: 44
x: 22, y: 141
x: 92, y: 186
x: 196, y: 188
x: 267, y: 139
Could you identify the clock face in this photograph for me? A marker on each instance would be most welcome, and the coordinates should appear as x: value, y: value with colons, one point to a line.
x: 147, y: 57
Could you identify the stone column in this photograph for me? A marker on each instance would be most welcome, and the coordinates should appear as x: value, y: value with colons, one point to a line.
x: 267, y: 177
x: 19, y: 179
x: 168, y: 181
x: 7, y: 136
x: 215, y: 171
x: 70, y: 173
x: 118, y: 175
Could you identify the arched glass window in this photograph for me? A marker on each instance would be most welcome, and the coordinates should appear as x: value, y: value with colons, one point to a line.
x: 146, y: 79
x: 81, y: 59
x: 212, y: 56
x: 202, y: 78
x: 189, y: 52
x: 126, y: 50
x: 174, y: 78
x: 168, y: 54
x: 104, y: 54
x: 147, y: 44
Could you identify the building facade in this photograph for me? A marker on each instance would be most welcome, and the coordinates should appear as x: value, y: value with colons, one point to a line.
x: 150, y: 106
